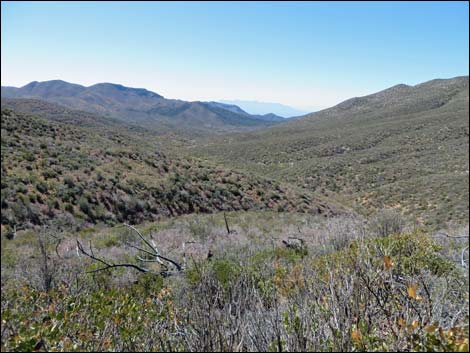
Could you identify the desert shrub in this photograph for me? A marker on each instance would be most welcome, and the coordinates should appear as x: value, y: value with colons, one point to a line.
x: 69, y: 208
x: 69, y: 181
x: 387, y: 222
x: 41, y: 186
x: 100, y: 212
x: 49, y: 174
x: 84, y: 205
x: 21, y: 188
x: 29, y: 156
x: 32, y: 197
x: 391, y: 293
x: 225, y: 271
x: 200, y: 228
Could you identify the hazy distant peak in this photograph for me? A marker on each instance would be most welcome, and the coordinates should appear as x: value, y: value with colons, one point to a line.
x: 51, y: 88
x: 60, y: 88
x: 261, y: 108
x: 231, y: 107
x: 50, y: 83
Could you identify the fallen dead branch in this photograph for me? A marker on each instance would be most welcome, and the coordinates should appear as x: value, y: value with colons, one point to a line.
x: 150, y: 254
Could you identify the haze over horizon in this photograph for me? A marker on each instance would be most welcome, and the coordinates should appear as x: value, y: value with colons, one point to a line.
x: 305, y: 55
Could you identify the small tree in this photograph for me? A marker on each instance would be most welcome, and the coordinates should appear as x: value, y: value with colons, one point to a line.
x: 48, y: 264
x: 387, y: 222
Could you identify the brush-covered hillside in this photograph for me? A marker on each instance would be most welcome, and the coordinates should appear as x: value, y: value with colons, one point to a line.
x: 405, y: 147
x: 78, y: 176
x: 145, y: 108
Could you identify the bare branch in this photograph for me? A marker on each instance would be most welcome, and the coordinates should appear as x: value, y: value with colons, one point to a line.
x: 155, y: 250
x: 109, y: 265
x: 140, y: 249
x: 154, y: 256
x: 177, y: 265
x: 149, y: 260
x: 226, y: 224
x: 452, y: 236
x: 462, y: 259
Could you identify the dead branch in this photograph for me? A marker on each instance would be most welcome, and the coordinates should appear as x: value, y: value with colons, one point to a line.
x: 226, y: 224
x: 184, y: 252
x: 294, y: 243
x: 152, y: 256
x: 462, y: 257
x: 154, y: 248
x: 108, y: 265
x: 452, y: 236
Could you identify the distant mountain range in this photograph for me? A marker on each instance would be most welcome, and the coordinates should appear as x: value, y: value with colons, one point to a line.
x: 146, y: 108
x: 255, y: 107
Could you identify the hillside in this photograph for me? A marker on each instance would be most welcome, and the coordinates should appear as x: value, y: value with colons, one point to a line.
x: 405, y: 147
x: 59, y: 113
x: 77, y: 176
x: 143, y: 107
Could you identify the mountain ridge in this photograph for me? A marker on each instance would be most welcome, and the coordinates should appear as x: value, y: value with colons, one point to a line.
x: 143, y: 107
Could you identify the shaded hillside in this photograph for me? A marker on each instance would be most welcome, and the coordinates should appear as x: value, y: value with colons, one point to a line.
x: 146, y: 108
x: 404, y: 147
x: 59, y: 113
x: 114, y: 129
x: 76, y: 176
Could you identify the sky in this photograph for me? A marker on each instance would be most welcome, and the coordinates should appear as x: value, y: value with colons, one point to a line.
x: 309, y: 55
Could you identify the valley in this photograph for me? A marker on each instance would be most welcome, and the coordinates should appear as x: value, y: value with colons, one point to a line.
x: 234, y: 176
x: 405, y: 147
x: 121, y: 222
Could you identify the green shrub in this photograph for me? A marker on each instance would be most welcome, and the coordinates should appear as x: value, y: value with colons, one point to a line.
x: 226, y: 271
x: 84, y: 205
x: 69, y: 182
x: 41, y: 186
x: 69, y: 208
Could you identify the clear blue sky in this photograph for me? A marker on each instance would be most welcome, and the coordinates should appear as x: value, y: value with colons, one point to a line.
x: 304, y: 54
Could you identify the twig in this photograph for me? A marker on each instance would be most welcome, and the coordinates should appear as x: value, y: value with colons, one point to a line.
x: 462, y: 258
x: 452, y: 236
